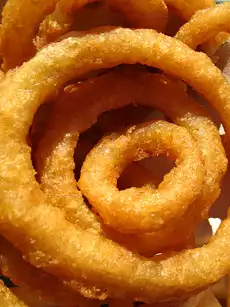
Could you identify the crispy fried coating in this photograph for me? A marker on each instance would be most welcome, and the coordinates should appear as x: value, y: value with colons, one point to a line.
x: 215, y: 19
x: 54, y: 156
x: 101, y: 265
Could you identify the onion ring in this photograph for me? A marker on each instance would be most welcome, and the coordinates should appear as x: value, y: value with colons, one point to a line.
x: 216, y: 19
x: 135, y: 175
x: 134, y: 210
x: 23, y: 207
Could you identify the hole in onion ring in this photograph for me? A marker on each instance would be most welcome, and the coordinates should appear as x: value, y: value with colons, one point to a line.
x: 156, y: 168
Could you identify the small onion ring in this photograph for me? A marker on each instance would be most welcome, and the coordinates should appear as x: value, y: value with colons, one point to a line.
x: 137, y: 210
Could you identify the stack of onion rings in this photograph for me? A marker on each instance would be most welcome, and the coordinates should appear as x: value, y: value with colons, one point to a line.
x: 52, y: 164
x: 88, y: 243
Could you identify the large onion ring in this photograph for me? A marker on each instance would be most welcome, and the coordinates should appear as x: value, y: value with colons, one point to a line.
x: 23, y: 206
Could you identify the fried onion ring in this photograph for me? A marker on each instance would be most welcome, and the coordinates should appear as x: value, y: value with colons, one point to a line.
x: 142, y: 208
x: 24, y: 212
x: 215, y: 19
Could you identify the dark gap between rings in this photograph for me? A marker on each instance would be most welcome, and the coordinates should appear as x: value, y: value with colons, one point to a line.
x: 7, y: 282
x: 150, y: 173
x: 99, y: 72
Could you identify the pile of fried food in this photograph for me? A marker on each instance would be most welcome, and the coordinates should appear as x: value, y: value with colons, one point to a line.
x: 83, y: 221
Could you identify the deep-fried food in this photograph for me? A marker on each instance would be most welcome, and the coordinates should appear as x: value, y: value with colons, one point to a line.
x: 54, y: 154
x: 215, y: 19
x: 23, y: 205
